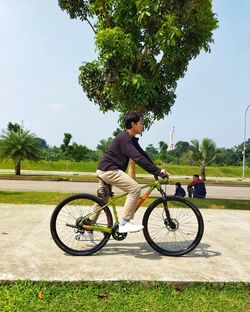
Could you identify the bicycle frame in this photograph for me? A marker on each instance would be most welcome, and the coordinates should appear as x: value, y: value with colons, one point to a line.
x: 112, y: 203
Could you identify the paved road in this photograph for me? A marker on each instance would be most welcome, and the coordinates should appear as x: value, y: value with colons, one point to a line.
x: 28, y: 251
x: 229, y: 192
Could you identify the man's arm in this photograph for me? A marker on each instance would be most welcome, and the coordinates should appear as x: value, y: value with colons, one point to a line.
x: 140, y: 150
x: 193, y: 183
x: 140, y: 159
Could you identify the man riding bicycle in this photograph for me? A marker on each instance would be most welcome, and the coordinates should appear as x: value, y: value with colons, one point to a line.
x: 111, y: 169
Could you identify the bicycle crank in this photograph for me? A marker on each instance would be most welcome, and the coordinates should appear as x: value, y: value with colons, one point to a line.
x: 118, y: 236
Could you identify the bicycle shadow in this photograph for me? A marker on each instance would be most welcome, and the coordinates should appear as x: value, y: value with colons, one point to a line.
x: 144, y: 251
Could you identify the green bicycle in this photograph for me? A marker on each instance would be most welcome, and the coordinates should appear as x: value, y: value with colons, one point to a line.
x: 173, y: 226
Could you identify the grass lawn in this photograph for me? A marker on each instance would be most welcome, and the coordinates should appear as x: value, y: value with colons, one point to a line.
x: 123, y: 296
x: 184, y: 170
x: 88, y: 178
x: 53, y: 198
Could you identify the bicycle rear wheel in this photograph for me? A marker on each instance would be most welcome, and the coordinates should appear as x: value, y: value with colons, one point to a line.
x: 67, y: 232
x: 175, y: 240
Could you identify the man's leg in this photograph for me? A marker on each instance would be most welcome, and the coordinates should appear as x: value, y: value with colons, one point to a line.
x: 191, y: 191
x: 102, y: 192
x: 123, y: 181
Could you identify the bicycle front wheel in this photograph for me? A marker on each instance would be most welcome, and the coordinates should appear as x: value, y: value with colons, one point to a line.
x: 179, y: 238
x: 66, y: 228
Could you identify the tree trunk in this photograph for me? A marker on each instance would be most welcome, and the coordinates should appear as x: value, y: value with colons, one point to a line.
x: 203, y: 172
x: 131, y: 169
x: 18, y: 167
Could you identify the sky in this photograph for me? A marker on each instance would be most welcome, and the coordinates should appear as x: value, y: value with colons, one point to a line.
x: 41, y: 50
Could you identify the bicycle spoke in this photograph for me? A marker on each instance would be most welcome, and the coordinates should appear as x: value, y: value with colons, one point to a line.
x: 66, y: 226
x: 180, y: 235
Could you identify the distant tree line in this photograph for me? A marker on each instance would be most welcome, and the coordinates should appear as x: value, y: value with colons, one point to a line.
x: 18, y: 144
x: 183, y: 152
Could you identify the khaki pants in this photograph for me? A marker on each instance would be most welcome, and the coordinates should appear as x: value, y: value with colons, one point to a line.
x: 124, y: 182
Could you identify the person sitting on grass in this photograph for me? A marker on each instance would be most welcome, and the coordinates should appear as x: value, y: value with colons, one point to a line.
x: 197, y: 187
x: 179, y: 191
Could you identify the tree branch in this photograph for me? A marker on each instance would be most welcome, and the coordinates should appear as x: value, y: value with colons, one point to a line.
x: 91, y: 25
x: 106, y: 14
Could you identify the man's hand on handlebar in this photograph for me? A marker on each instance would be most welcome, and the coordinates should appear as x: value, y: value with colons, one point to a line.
x: 164, y: 174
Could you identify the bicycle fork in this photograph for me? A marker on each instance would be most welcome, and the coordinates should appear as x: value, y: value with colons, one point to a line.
x: 168, y: 221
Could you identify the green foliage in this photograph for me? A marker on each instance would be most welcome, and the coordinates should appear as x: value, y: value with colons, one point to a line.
x: 104, y: 145
x: 75, y: 151
x: 203, y: 154
x: 227, y: 157
x: 66, y: 139
x: 75, y: 8
x: 117, y: 131
x: 52, y: 153
x: 163, y: 150
x: 65, y: 147
x: 13, y: 127
x: 82, y: 153
x: 143, y: 48
x: 181, y: 147
x: 152, y: 152
x: 18, y: 146
x: 42, y: 143
x: 239, y: 149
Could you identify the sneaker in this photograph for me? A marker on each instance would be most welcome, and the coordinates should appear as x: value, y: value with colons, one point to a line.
x: 130, y: 227
x: 89, y: 239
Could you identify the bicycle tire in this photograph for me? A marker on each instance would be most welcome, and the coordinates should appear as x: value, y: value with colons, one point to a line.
x: 64, y: 220
x: 173, y: 242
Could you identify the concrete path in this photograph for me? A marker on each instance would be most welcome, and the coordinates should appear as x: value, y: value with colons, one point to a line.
x: 230, y: 192
x: 28, y: 251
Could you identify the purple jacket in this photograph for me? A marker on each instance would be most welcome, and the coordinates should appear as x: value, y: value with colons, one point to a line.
x: 122, y: 148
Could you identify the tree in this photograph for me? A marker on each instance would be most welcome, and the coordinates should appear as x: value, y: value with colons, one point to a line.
x: 66, y: 139
x: 65, y: 147
x: 203, y: 154
x: 175, y: 156
x: 143, y: 48
x: 13, y: 127
x: 181, y: 147
x: 239, y: 149
x: 19, y: 145
x: 152, y: 152
x: 104, y: 145
x: 163, y: 150
x: 117, y: 131
x: 52, y: 153
x: 227, y: 157
x: 43, y: 143
x: 82, y: 153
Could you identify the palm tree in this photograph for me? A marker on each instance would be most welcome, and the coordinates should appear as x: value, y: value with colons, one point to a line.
x: 203, y: 154
x: 19, y: 145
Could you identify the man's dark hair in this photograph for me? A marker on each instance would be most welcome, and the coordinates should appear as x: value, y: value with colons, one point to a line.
x: 178, y: 184
x: 196, y: 175
x: 131, y: 117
